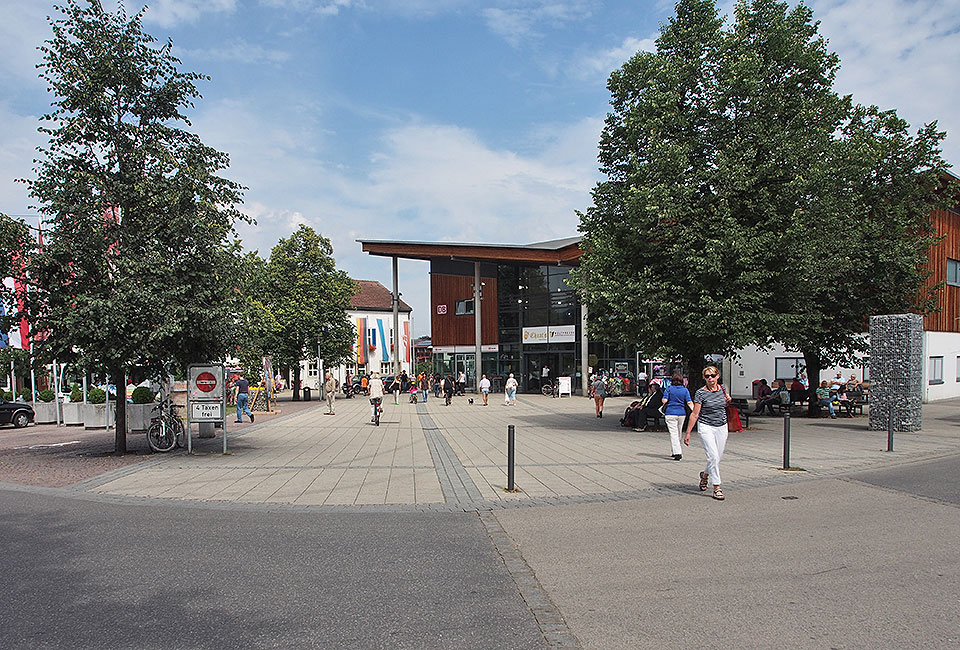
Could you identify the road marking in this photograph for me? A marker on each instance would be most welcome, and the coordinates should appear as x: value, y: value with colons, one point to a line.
x: 53, y: 444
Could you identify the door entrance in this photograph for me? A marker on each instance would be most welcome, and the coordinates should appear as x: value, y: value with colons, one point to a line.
x: 547, y: 366
x: 468, y: 363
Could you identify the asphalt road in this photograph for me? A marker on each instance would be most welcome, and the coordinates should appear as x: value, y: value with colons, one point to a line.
x: 869, y: 560
x: 82, y: 574
x: 866, y: 561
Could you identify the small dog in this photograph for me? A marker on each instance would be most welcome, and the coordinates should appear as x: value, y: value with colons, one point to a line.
x: 469, y: 400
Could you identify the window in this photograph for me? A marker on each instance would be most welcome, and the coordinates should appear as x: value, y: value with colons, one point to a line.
x: 788, y: 367
x: 464, y: 307
x: 958, y: 368
x: 312, y: 369
x: 936, y: 370
x: 953, y: 272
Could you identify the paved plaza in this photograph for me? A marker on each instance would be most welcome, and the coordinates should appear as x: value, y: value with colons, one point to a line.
x: 431, y: 456
x: 326, y: 531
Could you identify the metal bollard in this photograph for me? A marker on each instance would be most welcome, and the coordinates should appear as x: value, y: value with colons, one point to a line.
x: 890, y: 429
x: 786, y: 439
x: 511, y: 448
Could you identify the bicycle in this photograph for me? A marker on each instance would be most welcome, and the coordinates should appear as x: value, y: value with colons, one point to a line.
x: 377, y: 409
x: 550, y: 390
x: 166, y: 429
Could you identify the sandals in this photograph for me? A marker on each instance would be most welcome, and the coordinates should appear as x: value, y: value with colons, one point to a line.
x: 718, y: 494
x: 703, y: 481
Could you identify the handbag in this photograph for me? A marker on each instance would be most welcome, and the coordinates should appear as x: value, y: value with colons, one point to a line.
x: 733, y: 416
x: 663, y: 405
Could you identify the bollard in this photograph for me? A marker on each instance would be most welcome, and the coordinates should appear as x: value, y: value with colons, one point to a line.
x: 890, y: 429
x: 786, y: 439
x: 511, y: 448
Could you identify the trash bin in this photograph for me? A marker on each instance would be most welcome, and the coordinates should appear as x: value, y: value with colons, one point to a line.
x: 306, y: 393
x: 756, y: 388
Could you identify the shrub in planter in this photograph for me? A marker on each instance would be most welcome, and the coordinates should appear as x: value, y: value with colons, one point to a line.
x: 143, y: 395
x: 7, y: 396
x: 76, y: 395
x: 140, y: 412
x: 25, y: 395
x: 45, y: 409
x: 94, y: 396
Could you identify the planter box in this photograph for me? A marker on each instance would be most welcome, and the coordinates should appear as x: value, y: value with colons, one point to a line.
x: 72, y: 414
x: 45, y: 412
x: 138, y: 416
x: 95, y: 416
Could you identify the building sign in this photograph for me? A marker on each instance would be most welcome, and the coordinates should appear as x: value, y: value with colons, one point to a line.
x: 532, y: 335
x: 562, y: 333
x: 551, y: 334
x: 441, y: 309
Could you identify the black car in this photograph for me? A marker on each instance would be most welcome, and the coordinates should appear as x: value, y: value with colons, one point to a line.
x: 19, y: 414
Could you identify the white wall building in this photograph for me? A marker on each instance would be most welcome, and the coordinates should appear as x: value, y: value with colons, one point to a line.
x: 374, y: 350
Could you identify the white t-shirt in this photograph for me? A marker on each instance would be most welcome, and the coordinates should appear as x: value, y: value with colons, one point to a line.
x: 484, y: 384
x: 511, y: 384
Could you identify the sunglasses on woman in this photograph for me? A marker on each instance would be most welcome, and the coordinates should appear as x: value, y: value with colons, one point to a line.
x: 709, y: 376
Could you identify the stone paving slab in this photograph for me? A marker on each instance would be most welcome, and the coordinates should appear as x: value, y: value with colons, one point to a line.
x: 435, y: 456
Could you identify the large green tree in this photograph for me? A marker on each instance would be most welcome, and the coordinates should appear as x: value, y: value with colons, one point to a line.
x: 308, y: 297
x: 139, y: 244
x: 723, y: 152
x: 860, y: 245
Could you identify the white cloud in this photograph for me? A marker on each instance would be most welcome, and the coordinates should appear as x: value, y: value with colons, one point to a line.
x: 321, y: 7
x: 606, y: 61
x: 523, y: 20
x: 168, y: 13
x: 237, y: 50
x: 899, y: 54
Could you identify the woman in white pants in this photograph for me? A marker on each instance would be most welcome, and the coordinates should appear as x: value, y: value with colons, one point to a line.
x: 676, y: 399
x: 710, y: 416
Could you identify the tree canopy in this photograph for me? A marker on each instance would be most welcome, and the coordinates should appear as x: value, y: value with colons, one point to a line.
x: 736, y: 175
x: 308, y: 297
x: 139, y: 244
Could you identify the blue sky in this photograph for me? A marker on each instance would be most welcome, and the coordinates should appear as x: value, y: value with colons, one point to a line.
x: 461, y: 120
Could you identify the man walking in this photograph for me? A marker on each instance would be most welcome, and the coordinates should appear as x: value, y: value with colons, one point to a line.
x: 242, y: 397
x: 330, y: 392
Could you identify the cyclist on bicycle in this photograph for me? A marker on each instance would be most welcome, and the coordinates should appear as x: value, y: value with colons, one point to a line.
x: 375, y: 386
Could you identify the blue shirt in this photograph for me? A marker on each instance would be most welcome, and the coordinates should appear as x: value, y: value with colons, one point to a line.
x: 677, y: 398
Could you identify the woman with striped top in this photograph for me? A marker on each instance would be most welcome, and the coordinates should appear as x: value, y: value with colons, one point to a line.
x: 710, y: 416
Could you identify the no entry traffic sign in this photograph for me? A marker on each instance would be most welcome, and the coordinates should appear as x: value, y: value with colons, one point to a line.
x: 206, y: 382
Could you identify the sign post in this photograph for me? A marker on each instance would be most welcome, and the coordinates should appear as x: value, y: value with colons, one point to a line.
x: 206, y: 398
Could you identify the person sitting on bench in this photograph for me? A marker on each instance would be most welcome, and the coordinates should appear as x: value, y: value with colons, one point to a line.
x: 649, y: 406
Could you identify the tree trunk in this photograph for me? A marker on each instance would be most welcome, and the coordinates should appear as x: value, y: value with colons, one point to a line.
x: 812, y: 361
x: 120, y: 381
x: 695, y: 364
x: 296, y: 383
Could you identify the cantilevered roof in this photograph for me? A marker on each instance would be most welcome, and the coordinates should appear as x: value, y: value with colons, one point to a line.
x: 557, y: 251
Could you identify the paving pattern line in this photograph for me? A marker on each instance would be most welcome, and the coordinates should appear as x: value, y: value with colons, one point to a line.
x: 455, y: 482
x: 545, y: 612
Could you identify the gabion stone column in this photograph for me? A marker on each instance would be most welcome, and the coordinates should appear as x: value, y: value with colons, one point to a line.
x: 896, y: 371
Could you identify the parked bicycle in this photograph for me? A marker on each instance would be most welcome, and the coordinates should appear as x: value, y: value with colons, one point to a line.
x: 166, y: 428
x: 551, y: 390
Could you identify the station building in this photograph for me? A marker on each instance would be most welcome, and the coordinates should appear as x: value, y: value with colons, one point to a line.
x: 511, y: 307
x: 517, y: 298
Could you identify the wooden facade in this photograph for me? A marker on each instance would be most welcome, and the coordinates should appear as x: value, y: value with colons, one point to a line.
x: 450, y: 329
x: 947, y: 224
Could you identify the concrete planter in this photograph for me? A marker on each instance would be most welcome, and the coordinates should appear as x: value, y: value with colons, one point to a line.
x: 138, y: 416
x: 45, y: 412
x: 73, y: 414
x: 95, y: 416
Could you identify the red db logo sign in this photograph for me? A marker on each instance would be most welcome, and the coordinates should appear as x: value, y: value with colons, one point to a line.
x: 206, y: 382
